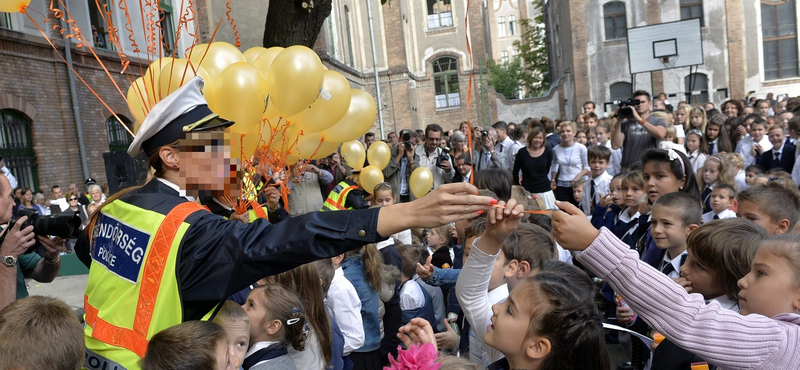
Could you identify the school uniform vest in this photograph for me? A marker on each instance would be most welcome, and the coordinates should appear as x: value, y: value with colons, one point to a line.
x: 132, y: 292
x: 338, y: 196
x: 426, y: 311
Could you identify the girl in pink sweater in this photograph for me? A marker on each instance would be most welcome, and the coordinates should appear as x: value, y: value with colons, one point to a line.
x: 765, y: 334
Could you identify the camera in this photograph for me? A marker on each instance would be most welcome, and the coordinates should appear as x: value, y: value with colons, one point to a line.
x: 484, y: 133
x: 626, y: 108
x: 407, y: 140
x: 65, y: 225
x: 444, y: 156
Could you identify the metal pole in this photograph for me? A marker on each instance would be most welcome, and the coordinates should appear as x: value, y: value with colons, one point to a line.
x: 75, y: 106
x: 483, y: 105
x: 375, y: 67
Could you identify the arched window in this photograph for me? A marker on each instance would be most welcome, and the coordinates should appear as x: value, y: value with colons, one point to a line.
x: 501, y: 26
x: 118, y: 138
x: 700, y: 84
x: 512, y: 25
x: 440, y: 14
x: 692, y: 9
x: 445, y: 81
x: 615, y: 22
x: 348, y: 41
x: 779, y: 30
x: 16, y: 147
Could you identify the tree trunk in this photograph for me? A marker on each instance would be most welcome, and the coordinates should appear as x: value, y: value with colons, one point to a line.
x: 288, y: 23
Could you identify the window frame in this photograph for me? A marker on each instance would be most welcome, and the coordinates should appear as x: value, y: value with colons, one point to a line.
x: 512, y: 22
x: 439, y: 20
x: 613, y: 17
x: 167, y: 26
x: 501, y: 26
x: 777, y: 41
x: 691, y: 4
x: 118, y: 138
x: 451, y: 97
x: 17, y: 149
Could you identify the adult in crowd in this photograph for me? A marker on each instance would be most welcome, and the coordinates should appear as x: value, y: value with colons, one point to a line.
x: 96, y: 193
x: 639, y: 132
x: 464, y: 165
x: 504, y: 144
x: 40, y: 203
x: 531, y: 167
x: 57, y: 197
x: 181, y: 261
x: 86, y: 198
x: 391, y: 138
x: 485, y: 153
x: 17, y: 262
x: 459, y: 147
x: 333, y: 164
x: 588, y: 107
x: 432, y: 156
x: 74, y: 205
x: 398, y: 172
x: 732, y: 108
x: 306, y: 190
x: 26, y: 200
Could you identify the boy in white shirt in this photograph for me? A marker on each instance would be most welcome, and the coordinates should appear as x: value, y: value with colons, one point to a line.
x: 597, y: 186
x: 604, y: 139
x: 721, y: 198
x: 757, y: 142
x: 414, y: 300
x: 345, y: 307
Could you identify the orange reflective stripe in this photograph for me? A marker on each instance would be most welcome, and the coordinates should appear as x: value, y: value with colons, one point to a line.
x: 112, y: 334
x: 258, y: 210
x: 340, y: 202
x: 135, y: 339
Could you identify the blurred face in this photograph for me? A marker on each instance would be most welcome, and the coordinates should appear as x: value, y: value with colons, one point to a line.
x: 96, y: 195
x: 632, y: 195
x: 753, y: 212
x: 28, y: 196
x: 770, y: 288
x: 579, y: 119
x: 18, y: 193
x: 712, y: 131
x: 704, y: 280
x: 598, y: 166
x: 776, y: 137
x: 538, y: 141
x: 508, y: 330
x: 57, y: 193
x: 659, y: 105
x: 206, y: 164
x: 710, y: 172
x: 644, y: 106
x: 696, y: 120
x: 749, y: 176
x: 747, y: 110
x: 432, y: 140
x: 384, y: 198
x: 463, y: 167
x: 458, y: 145
x: 692, y: 142
x: 581, y: 138
x: 615, y: 189
x: 668, y: 230
x: 763, y: 108
x: 757, y: 131
x: 669, y: 137
x: 73, y: 201
x: 567, y: 134
x: 368, y: 140
x: 226, y: 359
x: 464, y: 127
x: 588, y: 108
x: 783, y: 119
x: 257, y: 313
x: 720, y: 200
x: 602, y: 136
x: 577, y: 192
x: 590, y: 122
x: 681, y: 116
x: 659, y: 180
x: 238, y: 340
x: 392, y: 137
x: 435, y: 240
x: 73, y: 187
x: 591, y: 138
x: 730, y: 110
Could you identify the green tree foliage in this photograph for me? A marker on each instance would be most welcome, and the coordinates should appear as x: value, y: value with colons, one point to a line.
x: 506, y: 77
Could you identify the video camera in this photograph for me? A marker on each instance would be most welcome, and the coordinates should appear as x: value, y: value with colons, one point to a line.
x: 626, y: 108
x: 65, y: 225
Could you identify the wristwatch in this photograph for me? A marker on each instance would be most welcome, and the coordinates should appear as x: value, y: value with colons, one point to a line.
x: 10, y: 261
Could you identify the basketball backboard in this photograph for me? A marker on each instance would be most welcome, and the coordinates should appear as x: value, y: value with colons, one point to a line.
x: 665, y: 45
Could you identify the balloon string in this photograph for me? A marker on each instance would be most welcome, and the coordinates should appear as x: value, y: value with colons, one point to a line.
x: 534, y: 212
x: 238, y: 42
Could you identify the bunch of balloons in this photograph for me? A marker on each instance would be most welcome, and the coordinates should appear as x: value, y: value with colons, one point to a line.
x: 274, y: 95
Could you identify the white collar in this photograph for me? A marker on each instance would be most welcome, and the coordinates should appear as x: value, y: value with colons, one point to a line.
x: 175, y: 187
x: 623, y: 216
x: 676, y: 262
x: 222, y: 205
x: 601, y: 177
x: 498, y: 294
x: 258, y: 346
x: 726, y: 302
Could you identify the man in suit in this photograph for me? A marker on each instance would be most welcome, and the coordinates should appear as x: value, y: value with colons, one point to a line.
x: 782, y: 154
x: 398, y: 172
x: 485, y: 156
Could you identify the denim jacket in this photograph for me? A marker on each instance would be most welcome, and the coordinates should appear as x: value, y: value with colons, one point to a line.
x: 354, y: 272
x: 444, y: 278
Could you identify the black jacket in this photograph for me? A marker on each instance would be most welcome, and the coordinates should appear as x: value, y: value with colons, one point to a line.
x: 218, y: 257
x: 767, y: 159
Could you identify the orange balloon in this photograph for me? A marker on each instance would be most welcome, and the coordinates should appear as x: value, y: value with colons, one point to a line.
x: 357, y: 121
x: 421, y: 181
x: 314, y: 146
x: 370, y: 177
x: 240, y: 96
x: 379, y: 154
x: 354, y: 154
x: 330, y: 107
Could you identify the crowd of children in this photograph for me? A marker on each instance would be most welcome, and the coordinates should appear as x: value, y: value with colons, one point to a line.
x: 694, y: 241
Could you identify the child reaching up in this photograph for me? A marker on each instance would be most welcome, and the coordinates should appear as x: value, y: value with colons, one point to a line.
x: 276, y: 321
x: 769, y: 298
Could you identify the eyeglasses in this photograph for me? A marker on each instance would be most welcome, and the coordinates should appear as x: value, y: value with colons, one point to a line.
x: 71, y: 199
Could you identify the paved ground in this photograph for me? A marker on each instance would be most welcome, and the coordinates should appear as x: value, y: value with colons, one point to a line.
x: 68, y: 288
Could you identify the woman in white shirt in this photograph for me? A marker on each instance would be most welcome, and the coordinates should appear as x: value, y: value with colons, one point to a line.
x: 570, y: 163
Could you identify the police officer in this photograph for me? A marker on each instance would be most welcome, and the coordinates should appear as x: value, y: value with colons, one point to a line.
x: 157, y: 258
x: 346, y: 195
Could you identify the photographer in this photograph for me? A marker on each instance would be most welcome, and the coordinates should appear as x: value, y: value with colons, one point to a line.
x: 435, y: 158
x: 17, y: 264
x: 639, y: 131
x: 398, y: 172
x: 485, y: 154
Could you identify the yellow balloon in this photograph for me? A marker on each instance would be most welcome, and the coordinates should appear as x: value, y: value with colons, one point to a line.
x: 176, y: 73
x: 370, y: 177
x: 196, y: 54
x: 250, y: 141
x: 421, y: 181
x: 13, y: 6
x: 314, y: 146
x: 330, y: 107
x: 265, y: 59
x: 240, y: 96
x: 294, y: 79
x: 379, y: 155
x: 152, y: 77
x: 209, y: 88
x: 357, y: 121
x: 354, y: 154
x: 137, y: 96
x: 252, y: 54
x: 217, y: 58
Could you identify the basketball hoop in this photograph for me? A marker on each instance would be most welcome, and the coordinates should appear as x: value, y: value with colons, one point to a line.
x: 669, y: 62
